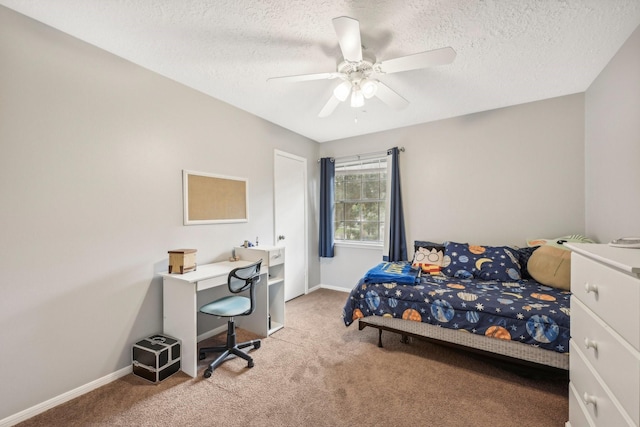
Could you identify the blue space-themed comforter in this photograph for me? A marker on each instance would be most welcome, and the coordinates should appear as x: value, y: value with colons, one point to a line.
x: 520, y: 310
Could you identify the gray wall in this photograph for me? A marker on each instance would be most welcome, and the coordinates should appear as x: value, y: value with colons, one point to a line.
x: 612, y: 146
x: 93, y: 149
x: 497, y: 177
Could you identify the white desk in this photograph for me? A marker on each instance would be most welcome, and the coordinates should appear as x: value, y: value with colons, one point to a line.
x: 180, y: 306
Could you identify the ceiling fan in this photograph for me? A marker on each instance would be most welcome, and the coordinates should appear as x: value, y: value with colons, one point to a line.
x: 358, y: 70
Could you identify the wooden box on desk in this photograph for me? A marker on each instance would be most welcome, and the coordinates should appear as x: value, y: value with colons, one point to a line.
x: 156, y: 358
x: 182, y: 260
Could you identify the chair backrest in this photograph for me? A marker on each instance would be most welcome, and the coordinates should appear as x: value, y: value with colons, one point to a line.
x: 242, y: 278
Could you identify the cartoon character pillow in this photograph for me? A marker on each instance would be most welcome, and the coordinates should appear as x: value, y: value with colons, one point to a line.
x: 428, y: 257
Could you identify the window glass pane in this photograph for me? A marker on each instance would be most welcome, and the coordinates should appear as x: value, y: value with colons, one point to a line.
x: 339, y: 212
x: 353, y: 189
x: 352, y: 230
x: 351, y: 211
x: 370, y: 212
x: 371, y: 176
x: 371, y: 189
x: 339, y: 230
x: 370, y: 231
x: 339, y: 189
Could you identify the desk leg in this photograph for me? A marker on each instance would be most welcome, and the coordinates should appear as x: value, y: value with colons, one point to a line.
x: 180, y: 320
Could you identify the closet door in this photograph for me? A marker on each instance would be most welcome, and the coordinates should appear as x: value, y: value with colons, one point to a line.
x: 290, y: 201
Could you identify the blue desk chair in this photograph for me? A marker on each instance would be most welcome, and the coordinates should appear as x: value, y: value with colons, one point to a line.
x: 239, y: 280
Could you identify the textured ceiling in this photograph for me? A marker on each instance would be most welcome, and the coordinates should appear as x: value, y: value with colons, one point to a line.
x: 508, y: 52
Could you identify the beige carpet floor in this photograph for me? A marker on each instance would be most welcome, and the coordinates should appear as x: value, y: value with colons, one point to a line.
x: 317, y: 372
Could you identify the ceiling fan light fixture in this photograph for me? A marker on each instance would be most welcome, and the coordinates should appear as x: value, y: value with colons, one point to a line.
x: 369, y: 87
x: 358, y: 68
x: 357, y: 99
x: 342, y: 91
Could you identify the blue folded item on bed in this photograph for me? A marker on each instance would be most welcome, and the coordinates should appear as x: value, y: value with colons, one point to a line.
x: 397, y: 272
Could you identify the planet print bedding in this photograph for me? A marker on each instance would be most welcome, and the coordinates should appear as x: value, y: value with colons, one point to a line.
x: 520, y: 310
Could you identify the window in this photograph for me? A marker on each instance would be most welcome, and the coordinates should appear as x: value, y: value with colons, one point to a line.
x: 360, y: 200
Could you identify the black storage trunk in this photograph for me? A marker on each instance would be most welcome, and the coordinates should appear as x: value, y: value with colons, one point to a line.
x: 156, y: 358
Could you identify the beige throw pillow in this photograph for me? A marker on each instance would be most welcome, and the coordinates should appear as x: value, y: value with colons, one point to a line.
x: 551, y: 266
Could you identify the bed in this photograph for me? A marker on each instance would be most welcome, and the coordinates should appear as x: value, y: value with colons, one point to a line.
x: 479, y: 297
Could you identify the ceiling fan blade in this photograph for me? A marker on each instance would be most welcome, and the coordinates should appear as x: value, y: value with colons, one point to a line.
x: 348, y: 31
x: 430, y: 58
x: 306, y: 77
x: 390, y: 97
x: 328, y: 108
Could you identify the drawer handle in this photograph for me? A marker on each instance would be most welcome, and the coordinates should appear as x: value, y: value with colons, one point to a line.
x: 591, y: 287
x: 589, y: 399
x: 590, y: 344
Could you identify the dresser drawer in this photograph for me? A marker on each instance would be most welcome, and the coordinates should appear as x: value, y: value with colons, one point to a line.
x: 602, y: 408
x: 578, y: 413
x: 617, y: 363
x: 276, y: 257
x: 612, y: 294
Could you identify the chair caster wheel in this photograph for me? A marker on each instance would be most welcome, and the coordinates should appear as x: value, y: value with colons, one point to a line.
x: 202, y: 356
x: 207, y: 373
x: 250, y: 364
x: 256, y: 345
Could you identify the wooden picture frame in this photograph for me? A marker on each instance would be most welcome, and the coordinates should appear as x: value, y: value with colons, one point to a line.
x: 214, y: 199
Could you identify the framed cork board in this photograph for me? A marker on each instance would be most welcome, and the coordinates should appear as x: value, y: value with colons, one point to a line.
x: 214, y: 199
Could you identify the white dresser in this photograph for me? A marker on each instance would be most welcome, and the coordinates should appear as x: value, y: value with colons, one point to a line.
x: 604, y: 388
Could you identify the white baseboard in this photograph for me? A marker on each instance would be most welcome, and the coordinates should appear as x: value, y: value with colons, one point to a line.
x: 315, y: 288
x: 64, y: 397
x: 333, y: 288
x: 212, y: 332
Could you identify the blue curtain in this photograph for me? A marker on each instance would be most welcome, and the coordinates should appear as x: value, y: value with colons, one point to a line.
x: 397, y: 242
x: 327, y: 189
